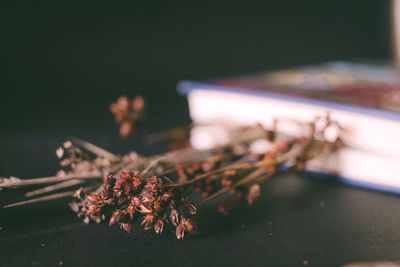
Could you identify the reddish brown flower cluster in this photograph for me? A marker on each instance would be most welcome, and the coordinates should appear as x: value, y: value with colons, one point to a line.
x: 124, y: 200
x: 128, y: 113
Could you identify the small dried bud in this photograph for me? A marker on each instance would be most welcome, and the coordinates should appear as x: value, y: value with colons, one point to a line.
x: 131, y: 211
x: 159, y: 226
x: 65, y: 162
x: 109, y: 180
x: 60, y: 152
x: 191, y: 208
x: 116, y: 217
x: 136, y: 201
x: 94, y: 211
x: 122, y: 200
x: 137, y: 182
x: 126, y: 175
x: 254, y: 193
x: 67, y: 144
x: 107, y: 193
x: 180, y: 231
x: 95, y: 199
x: 138, y: 103
x: 226, y: 182
x: 157, y: 204
x: 191, y: 226
x: 174, y: 217
x: 145, y: 210
x: 127, y: 226
x: 166, y: 197
x: 147, y: 221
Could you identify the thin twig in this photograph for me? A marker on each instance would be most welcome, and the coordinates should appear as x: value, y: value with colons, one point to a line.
x: 154, y: 162
x: 50, y: 197
x: 94, y: 149
x: 252, y: 176
x: 48, y: 180
x: 54, y: 187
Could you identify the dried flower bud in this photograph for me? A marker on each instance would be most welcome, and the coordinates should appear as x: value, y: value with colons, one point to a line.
x: 67, y: 144
x: 126, y: 175
x: 157, y: 204
x: 226, y: 182
x: 254, y: 193
x: 174, y: 217
x: 65, y: 162
x: 191, y: 226
x: 122, y: 200
x: 137, y: 182
x: 116, y: 217
x: 94, y: 211
x: 107, y: 193
x: 145, y: 210
x: 191, y: 208
x: 95, y: 199
x: 147, y: 221
x: 109, y: 180
x: 136, y: 201
x: 60, y: 152
x: 138, y: 103
x: 180, y: 231
x: 166, y: 197
x: 127, y: 226
x: 159, y: 226
x: 131, y: 211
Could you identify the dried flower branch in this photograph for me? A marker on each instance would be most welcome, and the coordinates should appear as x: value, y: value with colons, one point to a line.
x: 136, y: 188
x: 128, y: 113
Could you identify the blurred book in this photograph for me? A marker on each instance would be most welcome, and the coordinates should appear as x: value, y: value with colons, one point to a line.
x: 363, y: 98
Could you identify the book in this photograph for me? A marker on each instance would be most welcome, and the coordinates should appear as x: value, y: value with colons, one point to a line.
x: 364, y: 99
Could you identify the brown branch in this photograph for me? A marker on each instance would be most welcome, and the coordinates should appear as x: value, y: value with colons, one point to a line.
x: 47, y: 180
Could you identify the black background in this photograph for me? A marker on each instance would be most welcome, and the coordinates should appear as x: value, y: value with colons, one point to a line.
x: 62, y: 66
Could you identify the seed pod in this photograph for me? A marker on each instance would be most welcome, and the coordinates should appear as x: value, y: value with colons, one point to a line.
x: 95, y: 199
x: 147, y: 221
x: 254, y: 193
x: 191, y: 208
x: 109, y: 180
x: 94, y: 211
x: 180, y: 231
x: 122, y: 200
x: 159, y: 226
x: 131, y: 211
x: 136, y: 182
x: 126, y: 175
x: 107, y: 193
x: 166, y: 196
x: 127, y: 226
x: 226, y: 182
x: 136, y: 201
x: 174, y: 217
x: 191, y: 226
x: 116, y: 217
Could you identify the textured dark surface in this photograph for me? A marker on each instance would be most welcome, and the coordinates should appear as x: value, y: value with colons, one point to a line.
x: 60, y: 69
x: 296, y: 219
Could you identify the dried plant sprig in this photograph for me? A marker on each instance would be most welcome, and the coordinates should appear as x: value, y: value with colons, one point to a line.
x: 124, y: 200
x: 128, y: 113
x: 135, y: 186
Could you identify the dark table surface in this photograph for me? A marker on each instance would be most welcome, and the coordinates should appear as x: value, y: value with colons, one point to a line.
x: 297, y: 220
x: 61, y: 67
